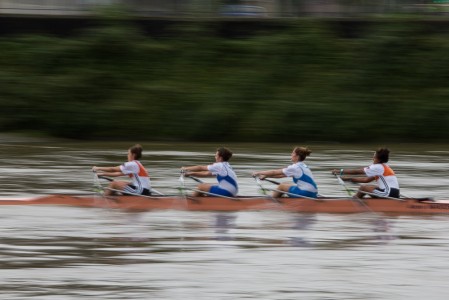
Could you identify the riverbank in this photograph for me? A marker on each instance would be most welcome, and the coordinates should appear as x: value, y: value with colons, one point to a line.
x: 384, y: 83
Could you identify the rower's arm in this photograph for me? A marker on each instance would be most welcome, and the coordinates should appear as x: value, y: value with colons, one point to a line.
x: 270, y: 173
x: 348, y: 172
x: 194, y: 169
x: 111, y: 174
x: 108, y: 171
x: 360, y: 179
x: 199, y: 173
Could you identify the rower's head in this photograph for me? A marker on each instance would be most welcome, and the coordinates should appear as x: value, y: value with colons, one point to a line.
x: 135, y: 152
x: 381, y: 155
x: 300, y: 153
x: 223, y: 154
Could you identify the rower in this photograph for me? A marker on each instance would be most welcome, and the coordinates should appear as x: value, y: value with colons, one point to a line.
x: 379, y: 171
x: 221, y: 169
x: 140, y: 185
x: 303, y: 182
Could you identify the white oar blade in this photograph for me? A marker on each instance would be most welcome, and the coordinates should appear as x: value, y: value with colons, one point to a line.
x: 259, y: 183
x: 340, y: 181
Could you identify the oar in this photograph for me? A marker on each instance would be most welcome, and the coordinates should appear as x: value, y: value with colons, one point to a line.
x: 342, y: 183
x: 181, y: 179
x: 130, y: 194
x: 272, y: 181
x: 282, y: 192
x: 366, y: 193
x: 386, y: 197
x: 196, y: 179
x: 212, y: 194
x: 99, y: 189
x: 360, y: 201
x: 291, y: 194
x: 417, y: 199
x: 182, y: 188
x: 278, y: 183
x: 97, y: 185
x: 257, y: 179
x: 104, y: 177
x: 110, y: 179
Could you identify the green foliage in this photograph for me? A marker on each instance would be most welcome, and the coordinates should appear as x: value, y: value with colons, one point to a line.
x: 304, y: 83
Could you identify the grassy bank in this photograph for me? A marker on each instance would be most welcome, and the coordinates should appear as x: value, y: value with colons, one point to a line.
x: 306, y: 82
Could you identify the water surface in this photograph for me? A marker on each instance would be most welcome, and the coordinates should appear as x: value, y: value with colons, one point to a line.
x: 52, y: 252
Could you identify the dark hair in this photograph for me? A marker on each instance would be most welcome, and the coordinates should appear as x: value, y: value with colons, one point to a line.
x: 302, y: 152
x: 224, y: 153
x: 136, y: 150
x: 382, y: 154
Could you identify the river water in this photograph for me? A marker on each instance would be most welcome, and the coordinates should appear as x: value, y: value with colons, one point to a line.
x: 52, y: 252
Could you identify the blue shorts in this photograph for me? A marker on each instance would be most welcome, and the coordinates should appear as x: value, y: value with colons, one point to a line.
x: 295, y: 190
x: 219, y: 191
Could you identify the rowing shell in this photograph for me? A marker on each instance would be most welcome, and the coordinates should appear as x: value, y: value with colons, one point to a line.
x: 320, y: 205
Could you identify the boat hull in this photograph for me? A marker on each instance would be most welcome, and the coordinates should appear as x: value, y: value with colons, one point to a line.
x: 321, y: 205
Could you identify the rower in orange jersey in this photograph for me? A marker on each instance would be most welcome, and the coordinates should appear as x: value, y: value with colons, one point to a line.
x: 387, y: 182
x: 140, y: 185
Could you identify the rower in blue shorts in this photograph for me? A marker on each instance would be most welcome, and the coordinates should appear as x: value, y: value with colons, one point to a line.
x: 227, y: 179
x: 303, y: 182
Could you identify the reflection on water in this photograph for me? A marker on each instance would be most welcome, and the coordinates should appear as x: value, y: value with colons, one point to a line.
x: 223, y: 223
x: 51, y: 252
x: 71, y: 252
x: 41, y: 250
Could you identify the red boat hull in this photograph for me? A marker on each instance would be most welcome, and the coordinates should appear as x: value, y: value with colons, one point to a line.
x: 321, y: 205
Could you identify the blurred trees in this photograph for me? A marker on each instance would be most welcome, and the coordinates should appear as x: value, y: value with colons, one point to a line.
x: 302, y: 83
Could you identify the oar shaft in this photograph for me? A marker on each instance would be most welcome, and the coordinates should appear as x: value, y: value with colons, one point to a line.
x: 157, y: 192
x: 383, y: 197
x: 291, y: 194
x: 131, y: 194
x: 211, y: 194
x: 263, y: 190
x: 272, y: 181
x: 196, y: 179
x: 342, y: 183
x: 364, y: 192
x: 106, y: 178
x: 278, y: 183
x: 111, y: 179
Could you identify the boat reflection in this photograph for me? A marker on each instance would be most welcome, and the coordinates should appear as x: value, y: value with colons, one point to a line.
x: 383, y: 228
x: 304, y: 231
x: 301, y: 223
x: 223, y: 223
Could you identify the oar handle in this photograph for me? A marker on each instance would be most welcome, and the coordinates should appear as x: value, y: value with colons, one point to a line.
x: 185, y: 174
x: 196, y: 179
x: 272, y: 181
x: 266, y: 179
x: 105, y: 177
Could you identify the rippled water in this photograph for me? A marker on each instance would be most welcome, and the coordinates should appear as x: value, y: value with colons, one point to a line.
x: 51, y: 252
